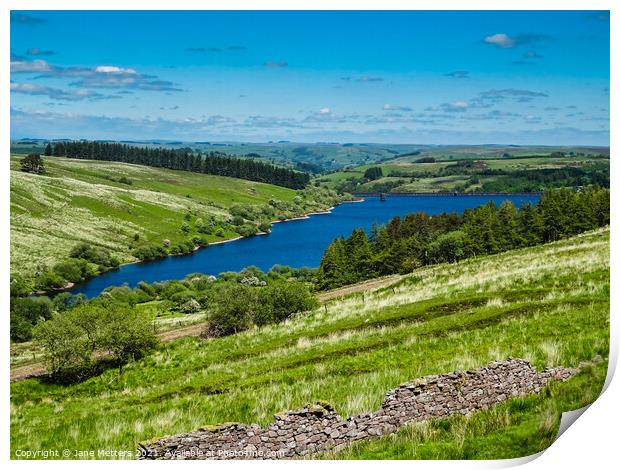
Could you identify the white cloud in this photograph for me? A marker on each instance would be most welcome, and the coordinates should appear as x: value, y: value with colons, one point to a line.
x: 113, y: 69
x: 57, y: 93
x: 500, y: 40
x: 34, y: 66
x: 455, y: 106
x: 325, y: 111
x: 394, y: 107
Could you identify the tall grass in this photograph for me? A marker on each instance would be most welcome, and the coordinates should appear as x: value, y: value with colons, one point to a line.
x: 548, y: 304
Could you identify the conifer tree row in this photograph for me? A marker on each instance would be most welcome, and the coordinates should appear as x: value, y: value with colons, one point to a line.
x: 213, y: 163
x: 418, y: 239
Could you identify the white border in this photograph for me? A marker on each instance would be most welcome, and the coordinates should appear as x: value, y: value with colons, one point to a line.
x: 591, y: 443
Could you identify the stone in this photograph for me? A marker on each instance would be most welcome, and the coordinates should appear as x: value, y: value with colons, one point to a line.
x: 317, y: 427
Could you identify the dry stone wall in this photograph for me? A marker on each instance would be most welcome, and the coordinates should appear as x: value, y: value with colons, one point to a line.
x: 318, y: 427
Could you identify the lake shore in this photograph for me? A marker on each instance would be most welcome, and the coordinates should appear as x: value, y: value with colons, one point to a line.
x: 302, y: 244
x: 71, y: 285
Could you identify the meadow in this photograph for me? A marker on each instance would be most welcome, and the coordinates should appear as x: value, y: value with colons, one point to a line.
x: 548, y: 304
x: 405, y: 174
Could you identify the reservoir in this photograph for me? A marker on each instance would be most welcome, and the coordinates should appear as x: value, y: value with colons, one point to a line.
x: 295, y: 243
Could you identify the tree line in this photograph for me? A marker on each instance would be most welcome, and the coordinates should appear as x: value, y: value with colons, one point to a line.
x: 212, y: 163
x: 419, y: 239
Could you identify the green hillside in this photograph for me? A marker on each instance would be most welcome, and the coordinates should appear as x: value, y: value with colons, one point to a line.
x: 469, y: 171
x: 548, y: 304
x: 111, y: 204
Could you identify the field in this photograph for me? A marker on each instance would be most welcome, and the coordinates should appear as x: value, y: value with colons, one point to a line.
x: 404, y: 174
x: 548, y: 304
x: 87, y: 201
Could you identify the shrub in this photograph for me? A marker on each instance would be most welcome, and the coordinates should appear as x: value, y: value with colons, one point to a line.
x: 199, y: 241
x: 19, y: 286
x: 126, y: 295
x: 20, y: 328
x: 72, y: 340
x: 247, y: 230
x: 66, y: 300
x: 287, y: 298
x: 33, y: 163
x: 265, y: 227
x: 25, y: 313
x: 190, y: 306
x: 373, y: 173
x: 96, y: 255
x: 74, y: 270
x: 234, y: 310
x: 182, y: 248
x: 252, y: 281
x: 49, y: 280
x: 146, y: 287
x: 448, y: 247
x: 238, y: 306
x: 237, y: 220
x: 149, y: 252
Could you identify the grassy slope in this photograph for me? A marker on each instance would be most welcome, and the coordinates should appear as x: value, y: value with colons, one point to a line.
x: 448, y: 183
x: 548, y: 304
x: 82, y: 201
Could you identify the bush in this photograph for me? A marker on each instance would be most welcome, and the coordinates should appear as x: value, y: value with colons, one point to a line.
x: 72, y: 340
x: 126, y: 295
x: 190, y: 306
x: 199, y: 241
x: 20, y: 329
x: 287, y: 298
x: 96, y: 255
x: 373, y: 173
x: 146, y: 287
x: 237, y: 220
x: 239, y: 306
x: 33, y: 163
x: 74, y: 270
x: 449, y: 247
x: 49, y: 280
x: 247, y: 230
x: 234, y: 310
x: 205, y: 227
x: 19, y: 286
x: 182, y: 248
x: 149, y: 252
x: 25, y: 313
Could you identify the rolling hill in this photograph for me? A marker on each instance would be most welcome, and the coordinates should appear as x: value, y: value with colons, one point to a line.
x: 468, y: 171
x: 548, y: 304
x: 119, y: 205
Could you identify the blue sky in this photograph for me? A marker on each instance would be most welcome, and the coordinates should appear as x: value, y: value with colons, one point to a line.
x: 393, y: 77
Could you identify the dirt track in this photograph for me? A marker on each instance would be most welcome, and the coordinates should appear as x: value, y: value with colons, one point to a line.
x: 38, y: 368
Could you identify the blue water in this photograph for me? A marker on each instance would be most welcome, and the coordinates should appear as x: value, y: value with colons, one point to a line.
x: 294, y: 243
